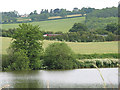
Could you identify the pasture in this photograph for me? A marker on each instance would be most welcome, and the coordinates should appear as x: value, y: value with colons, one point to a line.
x: 51, y: 25
x: 79, y: 48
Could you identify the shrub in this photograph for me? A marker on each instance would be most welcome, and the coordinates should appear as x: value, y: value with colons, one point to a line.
x: 18, y: 61
x: 5, y: 61
x: 78, y: 27
x: 59, y: 56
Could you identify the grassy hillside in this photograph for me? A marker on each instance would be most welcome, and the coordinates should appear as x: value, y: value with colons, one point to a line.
x: 81, y: 48
x: 52, y: 25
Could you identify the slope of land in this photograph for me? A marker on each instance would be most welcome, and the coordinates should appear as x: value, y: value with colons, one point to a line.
x: 52, y: 25
x: 81, y: 48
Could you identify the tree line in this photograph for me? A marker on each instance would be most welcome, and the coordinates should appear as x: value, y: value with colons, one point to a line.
x: 79, y: 33
x: 11, y: 17
x: 95, y: 18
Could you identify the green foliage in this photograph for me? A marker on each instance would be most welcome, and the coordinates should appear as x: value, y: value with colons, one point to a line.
x: 99, y: 18
x: 112, y: 27
x: 5, y: 61
x: 101, y: 32
x: 63, y: 13
x: 86, y: 10
x: 81, y: 36
x: 25, y: 48
x: 77, y: 27
x: 99, y: 63
x: 100, y: 56
x: 111, y: 37
x: 94, y: 23
x: 39, y: 17
x: 9, y: 17
x: 7, y: 33
x: 59, y: 56
x: 106, y: 12
x: 16, y: 61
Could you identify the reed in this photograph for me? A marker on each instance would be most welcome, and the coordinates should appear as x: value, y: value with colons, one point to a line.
x: 100, y: 63
x: 104, y: 84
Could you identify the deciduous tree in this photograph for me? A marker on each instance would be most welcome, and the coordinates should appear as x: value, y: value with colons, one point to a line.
x: 27, y: 37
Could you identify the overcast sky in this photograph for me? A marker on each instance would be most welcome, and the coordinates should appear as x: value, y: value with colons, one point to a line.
x: 27, y: 6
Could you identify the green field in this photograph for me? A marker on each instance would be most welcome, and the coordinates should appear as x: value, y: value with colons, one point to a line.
x: 52, y: 25
x: 81, y: 48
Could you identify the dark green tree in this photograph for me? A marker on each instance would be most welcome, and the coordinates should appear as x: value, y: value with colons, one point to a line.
x: 15, y: 60
x: 111, y: 27
x: 51, y: 11
x: 63, y: 13
x: 110, y: 37
x: 59, y: 56
x: 35, y: 12
x: 77, y: 27
x: 27, y: 37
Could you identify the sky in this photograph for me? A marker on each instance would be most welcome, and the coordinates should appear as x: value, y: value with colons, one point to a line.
x: 27, y: 6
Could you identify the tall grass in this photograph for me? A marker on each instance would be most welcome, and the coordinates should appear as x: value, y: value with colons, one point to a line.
x: 100, y: 63
x: 100, y: 75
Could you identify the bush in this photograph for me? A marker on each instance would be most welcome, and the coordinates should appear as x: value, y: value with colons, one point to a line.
x: 5, y: 61
x: 59, y: 56
x: 15, y: 61
x: 77, y: 27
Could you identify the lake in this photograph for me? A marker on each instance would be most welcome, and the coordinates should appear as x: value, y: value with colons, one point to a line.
x: 76, y: 78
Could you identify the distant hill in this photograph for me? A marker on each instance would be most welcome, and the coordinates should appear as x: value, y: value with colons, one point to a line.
x: 103, y: 13
x: 52, y: 25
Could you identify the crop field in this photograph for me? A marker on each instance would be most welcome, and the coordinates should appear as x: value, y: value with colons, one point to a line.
x: 51, y: 25
x: 54, y: 17
x: 75, y: 15
x: 80, y: 48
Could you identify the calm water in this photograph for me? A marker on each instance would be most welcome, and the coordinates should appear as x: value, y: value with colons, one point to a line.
x: 77, y: 78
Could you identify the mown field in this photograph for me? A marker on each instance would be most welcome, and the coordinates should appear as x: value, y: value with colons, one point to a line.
x: 79, y: 48
x: 52, y: 25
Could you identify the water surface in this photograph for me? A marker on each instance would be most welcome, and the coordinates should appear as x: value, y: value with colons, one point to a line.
x: 77, y: 78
